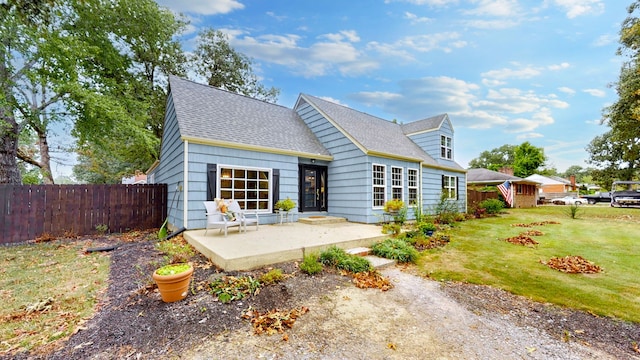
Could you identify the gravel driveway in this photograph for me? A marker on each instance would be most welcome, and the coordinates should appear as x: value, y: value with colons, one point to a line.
x: 414, y: 320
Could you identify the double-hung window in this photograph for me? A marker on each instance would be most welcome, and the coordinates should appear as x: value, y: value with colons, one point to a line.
x: 412, y: 186
x: 446, y: 149
x: 396, y: 183
x: 449, y: 187
x: 379, y: 183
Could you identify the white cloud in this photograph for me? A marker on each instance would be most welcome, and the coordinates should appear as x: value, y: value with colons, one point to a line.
x: 275, y: 16
x: 434, y: 3
x: 445, y: 42
x: 499, y: 8
x: 604, y: 40
x: 334, y: 52
x: 348, y: 35
x: 595, y: 92
x: 492, y: 82
x: 531, y: 135
x: 491, y: 24
x: 567, y: 90
x: 575, y: 8
x: 511, y: 110
x: 521, y: 72
x: 202, y: 7
x: 335, y: 101
x: 506, y: 73
x: 559, y: 66
x: 415, y: 19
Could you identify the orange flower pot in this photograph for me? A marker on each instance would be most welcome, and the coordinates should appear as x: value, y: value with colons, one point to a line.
x: 173, y: 287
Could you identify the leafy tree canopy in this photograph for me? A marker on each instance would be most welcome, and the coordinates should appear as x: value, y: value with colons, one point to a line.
x: 525, y: 159
x: 616, y: 153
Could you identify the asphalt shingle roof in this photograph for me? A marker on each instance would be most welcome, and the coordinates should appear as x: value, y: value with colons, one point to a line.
x: 431, y: 123
x: 372, y: 133
x: 486, y: 176
x: 210, y: 113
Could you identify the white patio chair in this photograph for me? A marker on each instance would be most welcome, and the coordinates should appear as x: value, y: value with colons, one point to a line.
x: 246, y: 217
x: 218, y: 220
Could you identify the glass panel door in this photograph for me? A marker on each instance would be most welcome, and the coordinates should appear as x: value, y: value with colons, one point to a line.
x: 313, y: 186
x: 310, y: 189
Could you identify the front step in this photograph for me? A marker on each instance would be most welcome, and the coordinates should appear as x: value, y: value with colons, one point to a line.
x: 376, y: 262
x: 321, y: 220
x: 360, y: 251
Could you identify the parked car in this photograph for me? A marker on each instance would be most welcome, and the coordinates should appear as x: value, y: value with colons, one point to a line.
x: 598, y: 197
x: 570, y: 200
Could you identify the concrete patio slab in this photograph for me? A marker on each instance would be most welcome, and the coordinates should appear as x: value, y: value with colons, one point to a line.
x: 272, y: 244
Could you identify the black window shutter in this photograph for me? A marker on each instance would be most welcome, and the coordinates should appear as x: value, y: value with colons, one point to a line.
x: 212, y: 170
x: 457, y: 192
x: 276, y: 188
x: 443, y: 182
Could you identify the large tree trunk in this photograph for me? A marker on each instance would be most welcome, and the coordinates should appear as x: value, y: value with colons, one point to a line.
x: 9, y: 172
x: 45, y: 159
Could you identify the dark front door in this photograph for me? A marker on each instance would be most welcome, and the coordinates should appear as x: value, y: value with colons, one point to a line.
x: 313, y: 188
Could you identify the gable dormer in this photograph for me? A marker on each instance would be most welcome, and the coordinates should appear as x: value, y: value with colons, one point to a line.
x: 434, y: 136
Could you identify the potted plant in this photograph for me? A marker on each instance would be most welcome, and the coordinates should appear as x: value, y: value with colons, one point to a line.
x: 173, y: 281
x: 427, y: 228
x: 393, y: 206
x: 285, y: 204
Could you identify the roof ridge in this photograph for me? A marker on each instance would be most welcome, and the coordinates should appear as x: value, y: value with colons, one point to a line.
x: 224, y: 90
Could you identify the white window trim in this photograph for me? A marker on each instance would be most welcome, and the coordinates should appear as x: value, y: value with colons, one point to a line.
x: 416, y: 186
x: 236, y: 167
x: 447, y: 149
x: 451, y: 187
x: 374, y: 186
x: 394, y: 186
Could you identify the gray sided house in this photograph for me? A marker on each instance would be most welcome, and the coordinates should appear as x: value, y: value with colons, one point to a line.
x: 330, y: 159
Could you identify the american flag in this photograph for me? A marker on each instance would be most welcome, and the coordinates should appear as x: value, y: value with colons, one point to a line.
x: 507, y: 192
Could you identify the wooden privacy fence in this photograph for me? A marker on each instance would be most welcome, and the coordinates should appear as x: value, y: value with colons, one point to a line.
x: 29, y: 211
x: 474, y: 196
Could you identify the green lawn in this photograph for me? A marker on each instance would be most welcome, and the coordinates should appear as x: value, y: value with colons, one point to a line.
x: 59, y: 277
x: 608, y: 237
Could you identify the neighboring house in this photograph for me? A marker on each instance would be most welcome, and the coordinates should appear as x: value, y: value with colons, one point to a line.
x: 525, y: 191
x: 553, y: 186
x: 330, y: 159
x: 138, y: 178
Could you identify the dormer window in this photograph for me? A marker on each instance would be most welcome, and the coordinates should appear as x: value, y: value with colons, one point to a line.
x: 446, y: 151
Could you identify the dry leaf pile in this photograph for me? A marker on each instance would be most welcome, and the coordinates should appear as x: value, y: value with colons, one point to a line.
x: 539, y: 223
x: 532, y: 233
x: 522, y: 240
x: 274, y: 321
x: 372, y: 279
x: 573, y: 265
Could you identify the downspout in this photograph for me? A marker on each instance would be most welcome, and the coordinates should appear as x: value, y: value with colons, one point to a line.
x: 466, y: 199
x: 185, y: 171
x: 421, y: 187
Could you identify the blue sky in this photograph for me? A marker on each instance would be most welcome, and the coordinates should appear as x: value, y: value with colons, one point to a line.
x: 506, y: 71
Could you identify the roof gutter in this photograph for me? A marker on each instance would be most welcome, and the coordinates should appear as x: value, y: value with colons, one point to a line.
x: 258, y: 148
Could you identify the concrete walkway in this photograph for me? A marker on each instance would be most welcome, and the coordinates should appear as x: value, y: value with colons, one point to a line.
x: 272, y: 244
